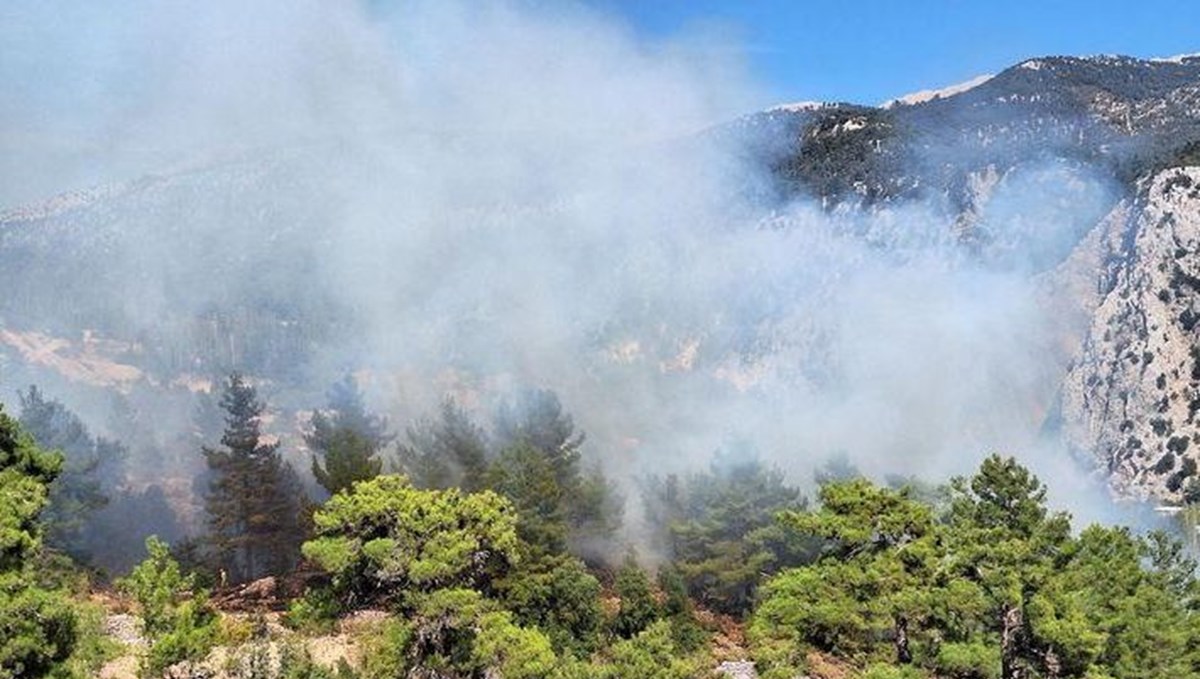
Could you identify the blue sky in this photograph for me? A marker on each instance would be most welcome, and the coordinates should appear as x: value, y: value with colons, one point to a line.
x: 867, y: 51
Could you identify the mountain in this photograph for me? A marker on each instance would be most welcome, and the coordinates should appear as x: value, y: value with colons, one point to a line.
x: 1130, y: 395
x: 1125, y: 115
x: 162, y: 283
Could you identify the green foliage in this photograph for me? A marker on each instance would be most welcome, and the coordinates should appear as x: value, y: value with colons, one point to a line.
x: 93, y: 646
x: 158, y: 585
x: 514, y: 652
x: 818, y: 607
x: 894, y: 672
x: 879, y: 671
x: 190, y: 639
x: 638, y: 609
x: 25, y: 473
x: 346, y: 439
x: 721, y: 531
x: 1000, y: 588
x: 295, y: 662
x: 883, y: 547
x: 536, y: 418
x: 525, y: 476
x: 315, y: 612
x: 288, y: 660
x: 652, y: 653
x: 348, y: 457
x: 689, y: 636
x: 457, y: 632
x: 540, y: 469
x: 385, y: 649
x: 449, y: 452
x: 387, y: 538
x: 77, y: 493
x: 38, y: 626
x: 1005, y: 542
x: 253, y: 501
x: 176, y: 618
x: 968, y: 660
x: 558, y: 596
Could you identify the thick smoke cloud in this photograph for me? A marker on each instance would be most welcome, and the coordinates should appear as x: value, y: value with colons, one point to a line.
x: 523, y: 193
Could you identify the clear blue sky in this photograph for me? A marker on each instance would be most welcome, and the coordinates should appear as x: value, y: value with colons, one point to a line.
x: 867, y: 51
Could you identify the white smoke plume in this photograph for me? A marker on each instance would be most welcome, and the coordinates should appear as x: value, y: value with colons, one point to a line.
x: 523, y: 193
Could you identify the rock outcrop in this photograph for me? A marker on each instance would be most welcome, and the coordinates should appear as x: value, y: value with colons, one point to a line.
x: 1132, y: 397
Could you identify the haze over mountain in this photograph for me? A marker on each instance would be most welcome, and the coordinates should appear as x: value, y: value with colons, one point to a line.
x: 1007, y: 266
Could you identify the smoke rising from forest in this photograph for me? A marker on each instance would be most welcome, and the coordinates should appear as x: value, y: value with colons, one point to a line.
x: 522, y: 194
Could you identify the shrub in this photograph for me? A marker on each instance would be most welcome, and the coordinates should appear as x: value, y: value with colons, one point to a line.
x: 652, y: 653
x: 892, y: 672
x: 38, y: 628
x: 638, y: 607
x: 385, y: 646
x: 316, y: 612
x: 969, y: 660
x: 176, y: 617
x: 559, y: 596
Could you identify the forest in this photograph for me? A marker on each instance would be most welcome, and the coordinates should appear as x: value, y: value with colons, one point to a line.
x: 459, y: 550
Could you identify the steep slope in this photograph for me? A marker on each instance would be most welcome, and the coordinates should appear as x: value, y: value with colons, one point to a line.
x: 1133, y: 396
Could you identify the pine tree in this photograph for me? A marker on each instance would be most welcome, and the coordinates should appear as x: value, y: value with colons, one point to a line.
x: 346, y: 439
x: 1008, y: 544
x: 536, y: 424
x: 91, y: 468
x: 638, y: 608
x: 254, y: 496
x: 719, y: 527
x: 446, y: 453
x: 537, y: 419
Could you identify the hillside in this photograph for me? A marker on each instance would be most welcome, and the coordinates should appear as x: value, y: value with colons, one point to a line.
x: 295, y: 263
x: 461, y: 378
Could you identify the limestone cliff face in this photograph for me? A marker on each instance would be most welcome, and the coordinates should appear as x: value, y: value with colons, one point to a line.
x: 1132, y: 396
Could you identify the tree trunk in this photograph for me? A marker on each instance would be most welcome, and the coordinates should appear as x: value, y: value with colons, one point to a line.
x: 1012, y: 620
x: 903, y: 654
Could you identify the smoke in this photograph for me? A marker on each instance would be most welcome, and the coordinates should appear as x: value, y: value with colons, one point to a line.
x: 463, y: 197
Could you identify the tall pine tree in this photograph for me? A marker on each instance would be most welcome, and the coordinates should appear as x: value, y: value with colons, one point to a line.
x: 346, y: 439
x: 92, y: 469
x: 447, y: 452
x: 254, y: 496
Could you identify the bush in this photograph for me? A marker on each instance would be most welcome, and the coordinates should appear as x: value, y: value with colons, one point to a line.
x: 638, y: 607
x: 385, y: 647
x: 190, y: 638
x: 677, y: 608
x: 651, y: 654
x: 295, y: 662
x: 38, y: 628
x: 969, y: 661
x: 513, y: 652
x: 93, y: 647
x: 176, y: 617
x: 316, y: 612
x: 893, y: 672
x: 561, y: 598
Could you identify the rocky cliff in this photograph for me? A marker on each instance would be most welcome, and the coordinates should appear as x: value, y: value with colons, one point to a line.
x: 1132, y: 396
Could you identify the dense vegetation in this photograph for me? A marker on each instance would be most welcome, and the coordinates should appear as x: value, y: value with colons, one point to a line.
x: 493, y: 552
